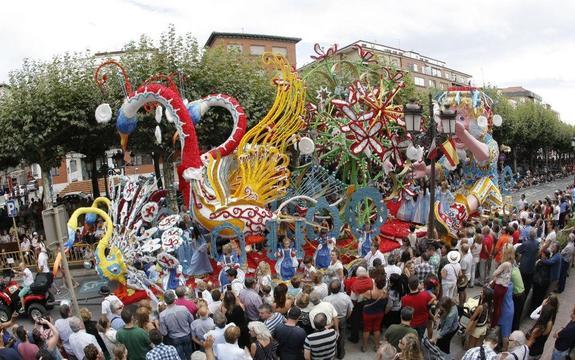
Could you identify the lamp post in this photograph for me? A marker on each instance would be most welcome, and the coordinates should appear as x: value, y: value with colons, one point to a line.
x: 412, y: 115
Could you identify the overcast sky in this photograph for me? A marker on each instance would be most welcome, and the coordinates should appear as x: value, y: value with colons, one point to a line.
x: 527, y: 43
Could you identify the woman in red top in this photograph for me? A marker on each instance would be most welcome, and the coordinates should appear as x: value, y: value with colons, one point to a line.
x: 419, y: 301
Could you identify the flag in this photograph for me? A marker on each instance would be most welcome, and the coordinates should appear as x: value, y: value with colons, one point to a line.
x: 450, y: 152
x: 433, y: 151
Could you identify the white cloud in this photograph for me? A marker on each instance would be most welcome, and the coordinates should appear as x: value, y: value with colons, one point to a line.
x: 513, y: 42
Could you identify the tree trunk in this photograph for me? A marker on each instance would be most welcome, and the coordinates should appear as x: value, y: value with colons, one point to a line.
x: 156, y: 157
x: 170, y: 186
x: 46, y: 186
x: 94, y: 173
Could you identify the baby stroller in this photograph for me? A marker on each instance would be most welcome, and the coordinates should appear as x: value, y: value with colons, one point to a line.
x: 466, y: 312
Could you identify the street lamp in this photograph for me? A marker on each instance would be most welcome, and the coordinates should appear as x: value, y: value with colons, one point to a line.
x: 448, y: 121
x: 412, y: 114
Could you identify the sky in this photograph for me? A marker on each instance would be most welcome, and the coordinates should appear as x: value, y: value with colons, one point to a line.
x: 502, y: 43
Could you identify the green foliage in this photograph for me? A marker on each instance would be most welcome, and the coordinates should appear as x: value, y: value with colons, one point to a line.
x: 528, y: 127
x: 49, y: 110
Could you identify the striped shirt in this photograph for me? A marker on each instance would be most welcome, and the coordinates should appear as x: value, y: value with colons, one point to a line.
x: 321, y: 344
x: 273, y: 321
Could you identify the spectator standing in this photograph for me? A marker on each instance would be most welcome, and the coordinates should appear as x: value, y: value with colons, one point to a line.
x: 43, y: 260
x: 250, y: 299
x: 320, y: 345
x: 396, y: 332
x: 217, y: 333
x: 270, y: 318
x: 202, y: 325
x: 450, y: 273
x: 424, y: 268
x: 110, y: 297
x: 528, y: 256
x: 485, y: 255
x: 135, y: 339
x: 175, y: 324
x: 564, y: 340
x: 230, y: 349
x: 160, y: 351
x: 344, y: 306
x: 485, y: 351
x: 64, y: 329
x: 554, y: 262
x: 79, y: 338
x: 264, y: 347
x: 291, y: 338
x: 116, y: 308
x: 419, y: 301
x: 26, y: 349
x: 235, y: 314
x: 410, y: 348
x: 566, y: 261
x: 373, y: 254
x: 182, y: 301
x: 448, y: 323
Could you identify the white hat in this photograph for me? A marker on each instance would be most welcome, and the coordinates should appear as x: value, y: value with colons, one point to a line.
x: 453, y: 257
x: 518, y: 336
x: 361, y: 271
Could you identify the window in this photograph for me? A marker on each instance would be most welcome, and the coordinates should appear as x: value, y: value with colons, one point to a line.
x: 413, y: 67
x: 435, y: 72
x: 257, y: 49
x: 447, y: 75
x: 279, y: 50
x: 55, y: 171
x: 235, y: 47
x: 443, y: 86
x: 427, y: 70
x: 432, y: 84
x: 73, y: 166
x: 395, y: 62
x: 419, y: 81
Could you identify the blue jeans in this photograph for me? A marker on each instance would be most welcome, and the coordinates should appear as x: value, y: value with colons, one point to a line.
x: 184, y: 346
x: 559, y: 355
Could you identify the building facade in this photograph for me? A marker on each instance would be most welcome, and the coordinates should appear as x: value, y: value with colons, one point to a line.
x: 518, y: 94
x: 427, y: 73
x: 255, y: 44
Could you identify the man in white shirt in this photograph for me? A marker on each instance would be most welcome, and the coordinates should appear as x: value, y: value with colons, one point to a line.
x: 391, y: 268
x: 108, y: 300
x: 43, y: 260
x: 325, y: 308
x: 79, y: 339
x: 236, y: 284
x: 218, y: 332
x: 374, y: 254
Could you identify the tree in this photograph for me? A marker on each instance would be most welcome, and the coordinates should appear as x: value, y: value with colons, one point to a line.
x: 196, y: 74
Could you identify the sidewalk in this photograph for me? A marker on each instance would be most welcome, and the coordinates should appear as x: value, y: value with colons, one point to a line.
x: 566, y: 302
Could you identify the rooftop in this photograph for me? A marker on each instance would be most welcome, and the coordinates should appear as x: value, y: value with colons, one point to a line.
x: 400, y: 52
x: 216, y: 35
x: 519, y: 91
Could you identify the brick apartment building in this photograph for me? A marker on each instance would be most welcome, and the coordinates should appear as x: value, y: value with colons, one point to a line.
x: 255, y: 44
x: 427, y: 72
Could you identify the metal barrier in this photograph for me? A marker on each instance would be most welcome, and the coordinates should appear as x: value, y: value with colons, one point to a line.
x: 76, y: 256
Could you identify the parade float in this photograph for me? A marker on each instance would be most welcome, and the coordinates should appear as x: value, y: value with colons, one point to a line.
x: 332, y: 168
